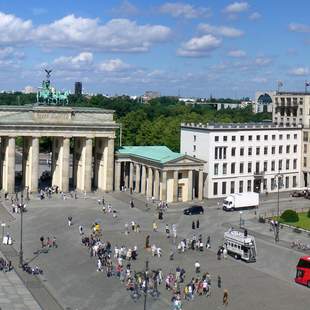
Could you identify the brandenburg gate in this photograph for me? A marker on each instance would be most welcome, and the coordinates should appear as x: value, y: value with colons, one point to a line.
x: 89, y: 131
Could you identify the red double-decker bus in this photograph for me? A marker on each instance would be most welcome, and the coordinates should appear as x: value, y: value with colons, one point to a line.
x: 303, y: 271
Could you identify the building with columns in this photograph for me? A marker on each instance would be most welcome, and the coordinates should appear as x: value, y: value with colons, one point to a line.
x: 82, y: 146
x: 156, y: 171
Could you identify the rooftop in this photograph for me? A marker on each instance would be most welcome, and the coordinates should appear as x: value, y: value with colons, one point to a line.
x: 236, y: 126
x: 292, y: 93
x: 158, y: 153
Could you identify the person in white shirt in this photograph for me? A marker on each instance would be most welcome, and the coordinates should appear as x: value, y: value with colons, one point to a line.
x: 197, y: 267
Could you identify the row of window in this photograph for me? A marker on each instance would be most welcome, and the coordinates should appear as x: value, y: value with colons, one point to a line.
x: 257, y: 167
x: 238, y: 186
x: 220, y: 152
x: 250, y: 137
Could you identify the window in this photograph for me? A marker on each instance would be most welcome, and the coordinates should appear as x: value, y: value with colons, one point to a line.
x: 305, y: 148
x: 216, y: 169
x: 257, y: 150
x: 294, y: 181
x: 287, y: 149
x: 216, y: 153
x: 241, y: 168
x: 257, y: 166
x: 233, y: 151
x: 249, y: 167
x: 225, y: 138
x: 280, y: 164
x: 216, y: 138
x: 273, y: 166
x: 249, y: 151
x: 194, y: 138
x: 224, y: 148
x: 287, y: 182
x: 295, y: 136
x: 194, y: 148
x: 233, y: 138
x: 288, y: 136
x: 250, y: 138
x: 273, y: 183
x: 257, y: 137
x: 232, y: 187
x: 223, y: 188
x: 249, y: 186
x: 305, y: 136
x: 273, y: 150
x: 287, y: 164
x: 240, y: 186
x: 305, y: 161
x: 280, y: 149
x: 232, y: 168
x: 241, y: 151
x: 265, y: 166
x: 295, y: 163
x: 265, y: 184
x: 295, y: 148
x: 280, y: 137
x: 241, y: 138
x: 224, y: 168
x: 266, y: 137
x: 273, y: 137
x: 265, y: 150
x: 215, y: 188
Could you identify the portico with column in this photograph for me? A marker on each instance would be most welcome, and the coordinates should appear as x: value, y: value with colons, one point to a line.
x: 158, y: 172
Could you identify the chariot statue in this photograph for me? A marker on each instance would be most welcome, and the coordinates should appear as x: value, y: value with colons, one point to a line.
x: 47, y: 95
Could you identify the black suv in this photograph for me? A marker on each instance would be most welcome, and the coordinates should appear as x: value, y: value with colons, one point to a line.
x: 193, y: 210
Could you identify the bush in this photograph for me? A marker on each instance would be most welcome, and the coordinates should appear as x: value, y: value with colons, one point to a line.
x: 289, y: 216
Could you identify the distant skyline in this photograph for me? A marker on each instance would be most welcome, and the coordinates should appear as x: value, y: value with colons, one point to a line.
x: 195, y: 48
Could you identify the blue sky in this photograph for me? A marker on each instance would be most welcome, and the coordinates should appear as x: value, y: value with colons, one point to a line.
x: 195, y: 48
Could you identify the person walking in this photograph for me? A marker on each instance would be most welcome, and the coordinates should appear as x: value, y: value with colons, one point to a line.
x: 197, y: 224
x: 155, y: 226
x: 42, y: 241
x: 225, y: 298
x: 69, y: 221
x: 225, y: 253
x: 193, y: 224
x: 99, y: 265
x: 197, y: 267
x: 81, y: 230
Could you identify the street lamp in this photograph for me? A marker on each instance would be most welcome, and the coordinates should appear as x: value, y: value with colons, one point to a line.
x: 146, y: 277
x: 21, y: 209
x: 240, y: 212
x: 279, y: 177
x: 3, y: 226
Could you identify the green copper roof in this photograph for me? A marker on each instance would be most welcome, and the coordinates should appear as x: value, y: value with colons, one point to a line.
x: 161, y: 154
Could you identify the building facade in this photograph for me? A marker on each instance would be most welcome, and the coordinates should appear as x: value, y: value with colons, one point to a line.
x: 78, y: 88
x: 245, y: 157
x: 263, y: 102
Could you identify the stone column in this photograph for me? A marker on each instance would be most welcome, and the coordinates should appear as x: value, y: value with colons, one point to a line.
x: 175, y: 186
x: 137, y: 189
x: 88, y: 164
x: 150, y: 182
x: 109, y: 164
x: 130, y: 176
x: 143, y: 180
x: 65, y: 164
x: 126, y: 177
x: 164, y: 186
x: 117, y: 181
x: 9, y: 165
x: 200, y: 185
x: 156, y: 184
x: 190, y: 185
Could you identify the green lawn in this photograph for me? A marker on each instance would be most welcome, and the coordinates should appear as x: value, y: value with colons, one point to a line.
x: 304, y: 221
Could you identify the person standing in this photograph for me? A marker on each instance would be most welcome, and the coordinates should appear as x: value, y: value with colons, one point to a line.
x: 69, y: 221
x: 197, y: 267
x: 42, y: 241
x: 155, y: 226
x: 81, y: 230
x: 99, y: 265
x: 225, y: 298
x: 197, y: 224
x: 193, y: 224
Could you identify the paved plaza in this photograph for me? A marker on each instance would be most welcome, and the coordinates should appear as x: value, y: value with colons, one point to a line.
x: 70, y: 273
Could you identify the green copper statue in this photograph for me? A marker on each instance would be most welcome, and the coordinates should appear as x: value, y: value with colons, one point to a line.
x: 48, y: 94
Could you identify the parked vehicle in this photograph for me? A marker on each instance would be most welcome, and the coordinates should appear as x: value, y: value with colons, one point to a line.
x: 194, y: 210
x: 303, y: 271
x: 241, y: 201
x: 240, y: 245
x: 298, y: 194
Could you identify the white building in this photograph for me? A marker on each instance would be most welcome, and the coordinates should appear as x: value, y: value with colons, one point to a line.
x: 245, y: 157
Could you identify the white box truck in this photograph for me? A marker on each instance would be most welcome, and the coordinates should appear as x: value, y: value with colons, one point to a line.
x: 241, y: 201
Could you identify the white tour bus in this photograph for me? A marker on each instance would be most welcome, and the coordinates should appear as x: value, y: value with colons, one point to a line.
x: 240, y: 245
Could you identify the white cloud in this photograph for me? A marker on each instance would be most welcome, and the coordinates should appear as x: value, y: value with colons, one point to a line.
x: 298, y: 27
x: 113, y: 65
x: 199, y: 46
x: 14, y: 30
x: 126, y: 8
x: 82, y: 60
x: 300, y: 71
x: 177, y: 9
x: 117, y: 35
x: 255, y: 16
x: 237, y: 53
x: 262, y: 61
x: 236, y: 7
x: 224, y: 31
x: 261, y: 80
